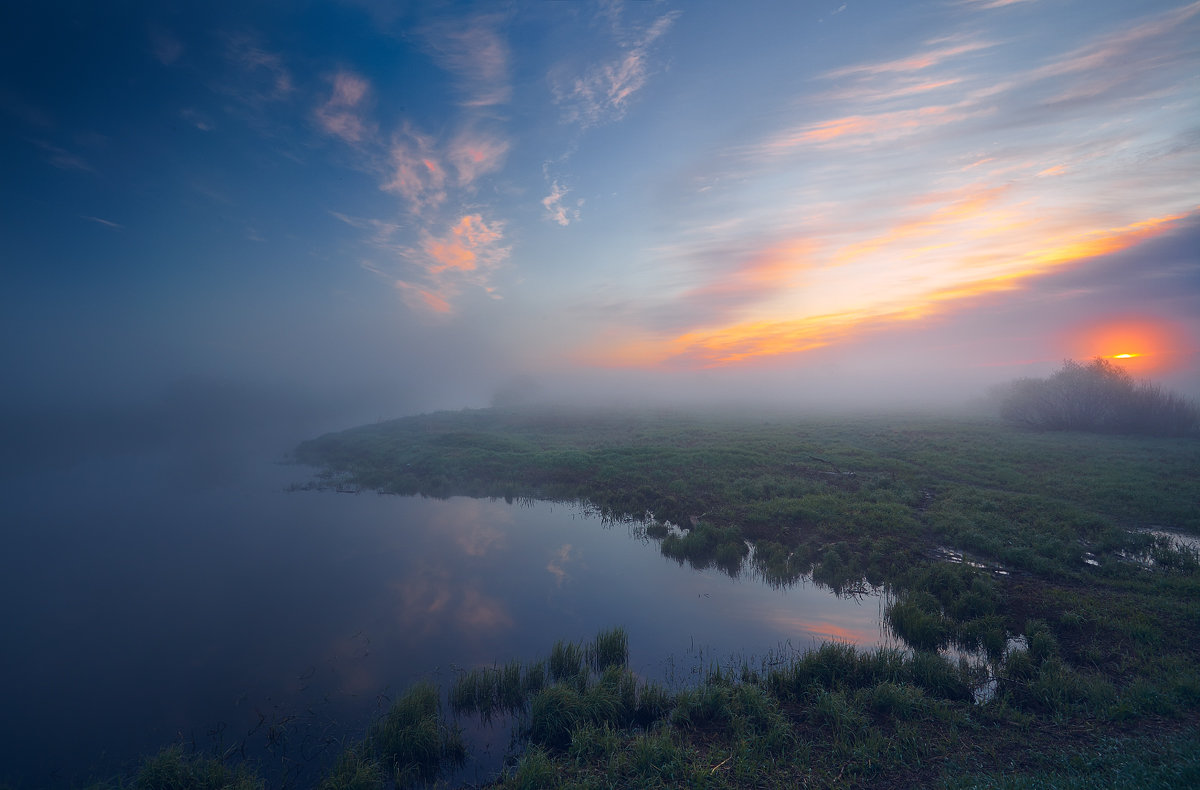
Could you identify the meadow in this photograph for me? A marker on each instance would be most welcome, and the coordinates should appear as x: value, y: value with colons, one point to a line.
x: 1055, y: 556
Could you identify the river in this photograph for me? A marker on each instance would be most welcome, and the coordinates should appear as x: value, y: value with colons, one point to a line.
x: 150, y: 600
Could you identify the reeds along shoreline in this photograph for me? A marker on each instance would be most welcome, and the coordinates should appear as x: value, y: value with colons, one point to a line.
x: 835, y: 714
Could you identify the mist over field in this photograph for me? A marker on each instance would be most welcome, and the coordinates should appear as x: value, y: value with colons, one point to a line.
x: 363, y: 211
x: 734, y: 295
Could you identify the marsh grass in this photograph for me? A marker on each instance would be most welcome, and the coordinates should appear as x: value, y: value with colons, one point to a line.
x: 833, y: 716
x: 354, y: 771
x: 566, y: 662
x: 609, y: 649
x: 408, y: 745
x: 175, y: 769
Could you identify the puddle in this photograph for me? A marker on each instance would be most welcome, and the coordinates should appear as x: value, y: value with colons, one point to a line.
x: 985, y: 672
x: 1166, y: 548
x: 947, y: 554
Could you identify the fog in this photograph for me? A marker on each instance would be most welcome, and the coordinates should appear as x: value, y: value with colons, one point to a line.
x: 263, y: 223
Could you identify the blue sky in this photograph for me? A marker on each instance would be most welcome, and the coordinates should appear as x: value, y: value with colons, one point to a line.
x: 414, y: 203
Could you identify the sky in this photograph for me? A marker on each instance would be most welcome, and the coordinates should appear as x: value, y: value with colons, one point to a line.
x: 419, y: 205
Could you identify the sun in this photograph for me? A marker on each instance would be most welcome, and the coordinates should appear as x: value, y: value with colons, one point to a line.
x: 1143, y: 346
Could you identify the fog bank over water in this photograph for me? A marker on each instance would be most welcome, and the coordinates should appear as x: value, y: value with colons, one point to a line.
x: 214, y: 421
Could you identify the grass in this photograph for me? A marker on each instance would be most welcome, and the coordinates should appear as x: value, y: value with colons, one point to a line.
x: 173, y: 769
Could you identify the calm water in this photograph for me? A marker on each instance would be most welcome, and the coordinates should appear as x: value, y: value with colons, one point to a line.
x: 147, y: 600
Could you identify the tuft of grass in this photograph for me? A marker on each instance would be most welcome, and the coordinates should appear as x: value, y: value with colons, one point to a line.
x: 567, y: 662
x: 535, y: 771
x: 354, y: 771
x: 610, y: 648
x: 412, y: 741
x: 555, y: 712
x: 174, y: 769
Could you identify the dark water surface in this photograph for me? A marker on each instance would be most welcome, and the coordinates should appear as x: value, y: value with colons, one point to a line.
x: 147, y: 601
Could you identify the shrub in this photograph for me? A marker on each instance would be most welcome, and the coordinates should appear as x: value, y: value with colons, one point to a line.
x: 1097, y: 396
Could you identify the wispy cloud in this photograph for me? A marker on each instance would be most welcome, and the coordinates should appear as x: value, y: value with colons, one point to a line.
x: 988, y: 4
x: 604, y: 92
x: 474, y: 52
x: 470, y: 246
x: 896, y: 89
x: 341, y: 115
x: 558, y: 564
x: 166, y: 47
x: 415, y: 171
x: 197, y: 119
x: 105, y: 222
x: 863, y: 130
x: 938, y: 53
x: 430, y: 274
x: 262, y: 76
x: 556, y: 211
x: 381, y: 232
x: 62, y: 158
x: 1128, y: 57
x: 420, y: 298
x: 474, y: 154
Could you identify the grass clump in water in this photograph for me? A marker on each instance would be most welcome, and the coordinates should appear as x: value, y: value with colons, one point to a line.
x: 609, y: 649
x: 173, y: 769
x: 411, y: 742
x: 354, y: 771
x: 567, y: 662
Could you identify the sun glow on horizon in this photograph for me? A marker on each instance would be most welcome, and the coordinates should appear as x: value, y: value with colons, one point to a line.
x: 1140, y: 345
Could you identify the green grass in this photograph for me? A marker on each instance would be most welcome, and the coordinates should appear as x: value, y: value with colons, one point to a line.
x: 174, y: 769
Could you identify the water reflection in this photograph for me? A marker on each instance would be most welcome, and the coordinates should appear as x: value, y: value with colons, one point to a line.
x: 149, y: 611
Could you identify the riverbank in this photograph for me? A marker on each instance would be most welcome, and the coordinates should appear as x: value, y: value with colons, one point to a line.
x: 1029, y: 548
x: 1044, y: 559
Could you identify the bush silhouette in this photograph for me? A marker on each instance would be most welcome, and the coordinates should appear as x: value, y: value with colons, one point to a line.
x: 1101, y: 397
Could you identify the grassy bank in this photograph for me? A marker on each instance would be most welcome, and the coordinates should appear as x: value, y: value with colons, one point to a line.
x: 1089, y: 614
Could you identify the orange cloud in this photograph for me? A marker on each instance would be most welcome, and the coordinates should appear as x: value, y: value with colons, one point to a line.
x: 769, y: 270
x: 557, y: 565
x: 917, y: 62
x: 773, y: 336
x: 470, y: 244
x: 865, y: 129
x: 474, y: 155
x: 864, y: 633
x: 885, y: 93
x: 967, y: 204
x: 417, y: 296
